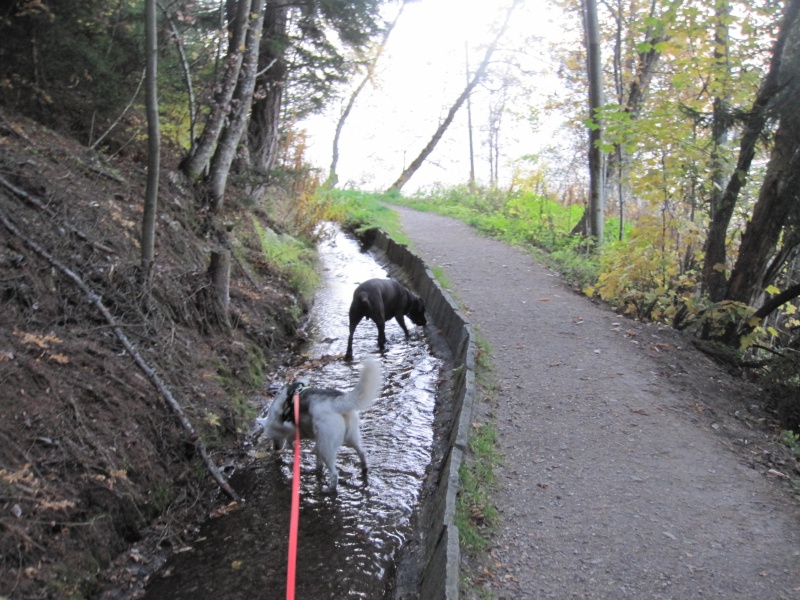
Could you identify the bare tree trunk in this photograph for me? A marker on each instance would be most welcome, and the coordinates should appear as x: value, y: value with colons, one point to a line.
x: 595, y: 75
x: 153, y: 145
x: 714, y: 279
x: 196, y: 162
x: 242, y: 101
x: 479, y: 74
x: 333, y: 178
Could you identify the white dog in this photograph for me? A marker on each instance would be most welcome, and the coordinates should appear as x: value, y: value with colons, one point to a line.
x: 328, y: 416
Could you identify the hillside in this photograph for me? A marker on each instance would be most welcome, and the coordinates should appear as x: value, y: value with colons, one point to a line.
x: 91, y: 457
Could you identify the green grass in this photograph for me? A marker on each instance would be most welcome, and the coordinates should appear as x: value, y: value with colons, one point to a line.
x: 476, y: 515
x: 290, y: 257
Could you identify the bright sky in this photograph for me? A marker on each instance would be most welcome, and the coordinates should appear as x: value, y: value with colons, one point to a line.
x: 419, y: 77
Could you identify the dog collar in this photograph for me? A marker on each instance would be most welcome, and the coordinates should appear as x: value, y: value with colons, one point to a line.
x: 288, y: 409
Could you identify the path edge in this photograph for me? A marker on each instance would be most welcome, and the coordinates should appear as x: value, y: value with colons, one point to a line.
x: 442, y: 556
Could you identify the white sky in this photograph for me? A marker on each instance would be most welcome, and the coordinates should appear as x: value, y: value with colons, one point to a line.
x: 419, y: 76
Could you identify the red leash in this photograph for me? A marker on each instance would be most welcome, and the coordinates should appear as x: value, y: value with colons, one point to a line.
x: 295, y: 516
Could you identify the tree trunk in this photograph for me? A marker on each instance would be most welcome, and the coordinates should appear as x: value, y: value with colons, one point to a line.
x: 779, y: 195
x: 153, y: 145
x: 714, y: 279
x: 595, y: 75
x: 264, y: 130
x: 469, y: 124
x: 479, y: 74
x: 242, y: 101
x: 196, y: 162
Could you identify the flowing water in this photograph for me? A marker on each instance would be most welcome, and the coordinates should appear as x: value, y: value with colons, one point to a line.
x: 348, y: 541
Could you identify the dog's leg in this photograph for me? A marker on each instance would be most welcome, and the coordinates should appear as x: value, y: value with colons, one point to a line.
x: 354, y: 321
x: 329, y: 431
x: 353, y: 439
x: 402, y: 322
x: 381, y: 334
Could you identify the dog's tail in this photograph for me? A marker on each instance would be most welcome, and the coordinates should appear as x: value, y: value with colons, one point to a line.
x: 366, y: 391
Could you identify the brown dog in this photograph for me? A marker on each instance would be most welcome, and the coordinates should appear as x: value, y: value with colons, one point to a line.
x: 381, y: 300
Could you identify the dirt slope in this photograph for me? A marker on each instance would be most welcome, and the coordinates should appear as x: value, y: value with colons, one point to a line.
x: 94, y: 467
x: 633, y: 466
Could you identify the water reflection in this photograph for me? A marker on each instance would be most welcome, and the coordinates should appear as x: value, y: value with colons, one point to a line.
x: 347, y: 541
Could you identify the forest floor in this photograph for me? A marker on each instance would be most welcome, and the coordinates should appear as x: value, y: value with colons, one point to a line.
x: 632, y: 465
x: 97, y: 477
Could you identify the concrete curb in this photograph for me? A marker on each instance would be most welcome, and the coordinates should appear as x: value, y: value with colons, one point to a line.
x: 440, y: 579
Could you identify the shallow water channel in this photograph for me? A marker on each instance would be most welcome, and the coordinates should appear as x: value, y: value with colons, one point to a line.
x: 348, y: 541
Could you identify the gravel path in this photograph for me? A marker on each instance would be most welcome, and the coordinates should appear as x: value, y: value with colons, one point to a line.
x: 632, y: 466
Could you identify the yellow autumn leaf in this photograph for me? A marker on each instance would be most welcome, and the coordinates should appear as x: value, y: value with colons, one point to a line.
x: 719, y: 268
x: 59, y: 358
x: 772, y: 290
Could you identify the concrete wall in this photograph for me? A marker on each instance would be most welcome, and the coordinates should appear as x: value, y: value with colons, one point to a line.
x: 441, y: 574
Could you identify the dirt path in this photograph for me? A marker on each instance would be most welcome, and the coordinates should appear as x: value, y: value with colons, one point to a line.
x: 633, y: 466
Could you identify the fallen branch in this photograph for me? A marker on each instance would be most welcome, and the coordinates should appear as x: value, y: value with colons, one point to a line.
x: 160, y: 385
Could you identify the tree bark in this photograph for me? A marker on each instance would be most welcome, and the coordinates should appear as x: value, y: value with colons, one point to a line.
x: 714, y: 278
x: 596, y: 170
x: 264, y: 130
x: 397, y: 186
x: 153, y: 145
x: 197, y: 160
x: 779, y: 196
x: 243, y: 99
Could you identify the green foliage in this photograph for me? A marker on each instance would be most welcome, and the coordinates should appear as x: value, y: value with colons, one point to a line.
x: 646, y: 276
x: 358, y: 211
x: 292, y: 258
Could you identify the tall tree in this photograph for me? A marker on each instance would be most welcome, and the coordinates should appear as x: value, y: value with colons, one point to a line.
x: 242, y: 101
x: 302, y: 62
x: 595, y: 75
x: 199, y: 156
x: 153, y: 143
x: 714, y: 277
x: 476, y: 78
x: 264, y: 128
x: 779, y: 196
